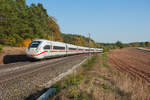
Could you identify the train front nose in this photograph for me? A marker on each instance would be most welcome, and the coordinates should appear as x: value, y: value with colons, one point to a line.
x: 32, y: 52
x: 33, y: 49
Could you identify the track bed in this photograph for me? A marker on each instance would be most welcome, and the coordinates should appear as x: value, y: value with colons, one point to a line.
x: 23, y: 81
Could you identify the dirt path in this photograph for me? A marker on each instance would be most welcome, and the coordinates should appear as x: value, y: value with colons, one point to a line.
x: 134, y: 61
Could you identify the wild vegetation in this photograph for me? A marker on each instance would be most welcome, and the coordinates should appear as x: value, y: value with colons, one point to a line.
x: 78, y: 40
x: 19, y: 22
x: 97, y: 80
x: 1, y: 48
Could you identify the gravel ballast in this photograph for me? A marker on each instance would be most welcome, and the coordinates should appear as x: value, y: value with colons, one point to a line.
x: 23, y: 82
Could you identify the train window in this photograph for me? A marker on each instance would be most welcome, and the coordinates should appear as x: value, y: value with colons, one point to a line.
x: 81, y: 49
x: 58, y: 48
x: 47, y: 47
x: 34, y: 44
x: 72, y: 48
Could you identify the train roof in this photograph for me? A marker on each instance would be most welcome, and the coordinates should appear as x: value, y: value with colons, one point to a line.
x: 69, y: 45
x: 54, y: 42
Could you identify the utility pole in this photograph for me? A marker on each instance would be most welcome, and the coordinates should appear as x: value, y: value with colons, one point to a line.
x: 89, y: 44
x: 52, y: 36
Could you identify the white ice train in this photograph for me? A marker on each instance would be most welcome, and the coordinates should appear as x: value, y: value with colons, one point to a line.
x: 40, y: 49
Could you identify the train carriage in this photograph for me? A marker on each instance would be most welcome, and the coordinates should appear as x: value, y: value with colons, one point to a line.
x: 71, y: 49
x: 58, y: 49
x: 40, y: 49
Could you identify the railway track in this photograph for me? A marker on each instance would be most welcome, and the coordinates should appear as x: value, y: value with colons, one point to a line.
x: 25, y: 70
x: 20, y: 82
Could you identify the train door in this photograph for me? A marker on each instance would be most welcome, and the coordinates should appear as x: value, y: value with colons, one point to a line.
x: 66, y: 50
x: 47, y: 48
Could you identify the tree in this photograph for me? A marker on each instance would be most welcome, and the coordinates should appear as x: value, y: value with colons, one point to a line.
x: 78, y: 40
x: 147, y: 44
x: 54, y: 30
x: 119, y: 44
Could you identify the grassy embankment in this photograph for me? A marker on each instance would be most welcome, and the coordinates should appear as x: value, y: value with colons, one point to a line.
x: 96, y: 80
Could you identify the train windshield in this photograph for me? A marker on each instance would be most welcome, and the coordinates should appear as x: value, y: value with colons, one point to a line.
x: 34, y: 44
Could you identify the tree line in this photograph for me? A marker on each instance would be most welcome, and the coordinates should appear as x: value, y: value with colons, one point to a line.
x: 78, y: 40
x: 120, y: 45
x: 18, y: 22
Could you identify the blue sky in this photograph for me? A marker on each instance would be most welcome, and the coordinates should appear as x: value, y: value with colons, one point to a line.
x: 106, y: 20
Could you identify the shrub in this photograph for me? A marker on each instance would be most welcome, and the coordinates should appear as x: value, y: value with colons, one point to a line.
x: 119, y: 44
x: 1, y: 47
x: 26, y: 42
x: 74, y: 93
x: 85, y: 96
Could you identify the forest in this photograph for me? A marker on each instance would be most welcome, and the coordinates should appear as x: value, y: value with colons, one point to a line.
x: 20, y: 24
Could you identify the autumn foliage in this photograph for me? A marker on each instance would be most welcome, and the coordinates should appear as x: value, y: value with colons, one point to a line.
x: 26, y: 42
x: 78, y: 40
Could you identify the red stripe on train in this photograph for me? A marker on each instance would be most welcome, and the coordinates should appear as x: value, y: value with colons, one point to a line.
x: 38, y: 54
x: 56, y: 51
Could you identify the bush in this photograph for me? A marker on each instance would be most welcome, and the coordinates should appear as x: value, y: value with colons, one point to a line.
x: 1, y: 47
x: 119, y: 44
x: 85, y: 96
x: 26, y: 42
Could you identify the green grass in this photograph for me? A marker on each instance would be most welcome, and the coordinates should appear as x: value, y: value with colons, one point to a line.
x: 90, y: 62
x: 104, y: 58
x: 73, y: 80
